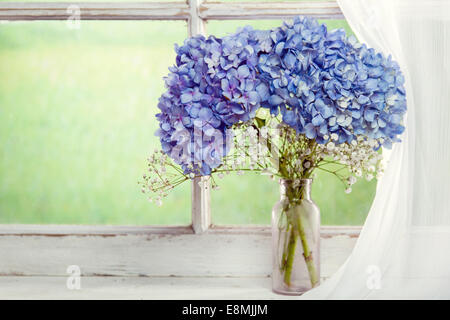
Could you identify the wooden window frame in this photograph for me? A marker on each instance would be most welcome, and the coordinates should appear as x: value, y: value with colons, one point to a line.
x: 196, y: 13
x: 23, y: 248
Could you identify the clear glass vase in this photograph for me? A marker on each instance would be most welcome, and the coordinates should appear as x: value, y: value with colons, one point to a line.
x: 295, y: 239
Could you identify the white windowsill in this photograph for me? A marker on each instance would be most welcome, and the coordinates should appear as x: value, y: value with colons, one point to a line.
x: 149, y: 262
x: 151, y: 288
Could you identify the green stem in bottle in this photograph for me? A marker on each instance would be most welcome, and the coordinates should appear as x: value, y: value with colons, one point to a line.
x: 307, y: 254
x: 290, y: 257
x: 297, y: 231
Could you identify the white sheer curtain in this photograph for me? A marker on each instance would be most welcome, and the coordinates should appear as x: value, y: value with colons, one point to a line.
x: 403, y: 251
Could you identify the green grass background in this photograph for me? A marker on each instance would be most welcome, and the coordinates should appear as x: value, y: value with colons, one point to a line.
x: 77, y: 120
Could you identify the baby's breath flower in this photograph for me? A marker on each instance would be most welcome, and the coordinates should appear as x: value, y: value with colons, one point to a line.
x: 330, y: 145
x: 351, y: 180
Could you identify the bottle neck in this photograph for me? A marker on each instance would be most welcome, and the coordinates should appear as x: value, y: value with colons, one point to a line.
x: 295, y: 189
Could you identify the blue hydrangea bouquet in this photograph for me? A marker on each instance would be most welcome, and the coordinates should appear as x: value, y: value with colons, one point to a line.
x: 281, y: 102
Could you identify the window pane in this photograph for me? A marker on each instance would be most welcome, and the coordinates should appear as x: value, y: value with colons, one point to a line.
x: 92, y: 1
x: 268, y: 1
x: 248, y: 199
x: 77, y: 121
x: 221, y: 28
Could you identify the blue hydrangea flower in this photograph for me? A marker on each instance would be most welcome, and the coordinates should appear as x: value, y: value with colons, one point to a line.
x: 381, y: 99
x: 213, y: 85
x: 292, y: 74
x: 325, y: 82
x: 234, y: 66
x: 190, y: 132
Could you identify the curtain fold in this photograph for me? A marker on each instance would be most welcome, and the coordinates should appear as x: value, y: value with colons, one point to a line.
x: 403, y: 251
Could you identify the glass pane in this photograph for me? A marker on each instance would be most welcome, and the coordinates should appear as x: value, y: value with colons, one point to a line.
x: 248, y: 199
x: 77, y: 121
x: 221, y: 28
x: 92, y: 1
x: 268, y: 1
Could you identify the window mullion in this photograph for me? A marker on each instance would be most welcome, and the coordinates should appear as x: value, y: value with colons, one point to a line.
x: 201, y: 196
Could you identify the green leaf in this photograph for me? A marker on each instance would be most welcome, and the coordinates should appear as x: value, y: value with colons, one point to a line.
x: 260, y: 122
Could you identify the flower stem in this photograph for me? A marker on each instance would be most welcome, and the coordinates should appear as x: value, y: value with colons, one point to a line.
x: 298, y: 231
x: 307, y: 254
x: 290, y: 257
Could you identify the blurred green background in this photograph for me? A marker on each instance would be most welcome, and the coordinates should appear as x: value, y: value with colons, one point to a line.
x: 77, y: 121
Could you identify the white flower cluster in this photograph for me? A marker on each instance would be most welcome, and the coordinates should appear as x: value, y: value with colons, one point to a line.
x: 162, y: 176
x: 359, y: 157
x: 274, y: 149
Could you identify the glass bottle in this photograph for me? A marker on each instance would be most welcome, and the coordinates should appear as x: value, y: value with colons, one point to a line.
x: 295, y: 239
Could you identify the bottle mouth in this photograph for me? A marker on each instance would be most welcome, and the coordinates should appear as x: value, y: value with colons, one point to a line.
x: 292, y: 181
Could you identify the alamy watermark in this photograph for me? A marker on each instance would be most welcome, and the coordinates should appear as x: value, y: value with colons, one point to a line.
x: 233, y: 148
x: 74, y: 280
x: 373, y: 281
x: 74, y: 20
